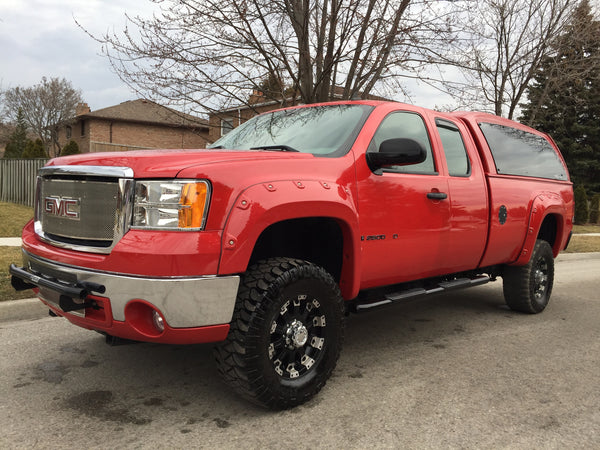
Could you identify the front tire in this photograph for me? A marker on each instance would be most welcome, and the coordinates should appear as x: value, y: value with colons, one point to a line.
x: 286, y: 333
x: 527, y: 288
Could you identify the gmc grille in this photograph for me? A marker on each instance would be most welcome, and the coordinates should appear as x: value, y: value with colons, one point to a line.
x: 86, y: 208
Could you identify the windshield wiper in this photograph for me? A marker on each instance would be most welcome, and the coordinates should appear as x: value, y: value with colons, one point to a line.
x: 283, y: 148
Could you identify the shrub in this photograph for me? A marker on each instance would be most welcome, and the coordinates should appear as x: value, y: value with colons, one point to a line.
x: 70, y: 149
x: 17, y: 140
x: 34, y: 149
x: 581, y: 205
x: 595, y: 209
x: 11, y: 151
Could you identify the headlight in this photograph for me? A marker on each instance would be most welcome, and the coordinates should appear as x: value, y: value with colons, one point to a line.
x: 171, y: 204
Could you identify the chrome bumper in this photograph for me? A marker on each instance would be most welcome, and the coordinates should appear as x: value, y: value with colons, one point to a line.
x: 184, y: 302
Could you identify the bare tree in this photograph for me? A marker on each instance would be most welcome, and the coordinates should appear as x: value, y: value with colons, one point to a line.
x: 500, y: 47
x: 45, y: 106
x: 214, y: 53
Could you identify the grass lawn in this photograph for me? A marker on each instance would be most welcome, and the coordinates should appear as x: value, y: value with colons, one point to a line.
x: 10, y: 255
x: 586, y: 229
x: 584, y: 244
x: 13, y: 218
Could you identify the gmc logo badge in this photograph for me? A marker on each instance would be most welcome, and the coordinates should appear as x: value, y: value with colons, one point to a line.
x: 62, y: 207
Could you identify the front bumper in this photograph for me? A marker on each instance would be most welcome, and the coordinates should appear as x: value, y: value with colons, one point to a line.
x: 127, y: 302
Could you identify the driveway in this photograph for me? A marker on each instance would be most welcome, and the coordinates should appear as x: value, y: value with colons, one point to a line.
x: 450, y: 371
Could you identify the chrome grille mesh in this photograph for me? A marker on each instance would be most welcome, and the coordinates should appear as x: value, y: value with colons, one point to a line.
x: 97, y: 210
x: 84, y: 208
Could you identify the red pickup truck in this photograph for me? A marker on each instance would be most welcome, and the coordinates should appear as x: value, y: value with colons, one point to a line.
x: 265, y: 241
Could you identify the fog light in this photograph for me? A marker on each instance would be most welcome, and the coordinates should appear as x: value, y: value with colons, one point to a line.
x: 144, y: 318
x: 158, y: 321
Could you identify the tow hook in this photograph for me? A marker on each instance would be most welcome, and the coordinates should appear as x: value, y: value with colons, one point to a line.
x: 68, y: 304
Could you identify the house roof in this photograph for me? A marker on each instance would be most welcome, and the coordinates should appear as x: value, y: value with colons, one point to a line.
x: 258, y: 100
x: 146, y: 111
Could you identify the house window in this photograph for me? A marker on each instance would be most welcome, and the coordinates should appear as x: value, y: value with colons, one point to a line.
x: 69, y: 132
x: 226, y: 126
x: 83, y: 127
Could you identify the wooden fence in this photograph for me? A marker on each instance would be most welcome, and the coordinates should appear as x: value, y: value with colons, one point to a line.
x: 17, y: 180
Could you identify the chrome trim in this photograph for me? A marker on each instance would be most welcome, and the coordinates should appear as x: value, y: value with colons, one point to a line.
x: 185, y: 302
x: 184, y: 230
x: 124, y: 208
x: 91, y: 171
x: 126, y: 184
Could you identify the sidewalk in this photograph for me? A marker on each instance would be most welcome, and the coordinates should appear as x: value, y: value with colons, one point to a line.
x: 25, y: 309
x: 10, y: 242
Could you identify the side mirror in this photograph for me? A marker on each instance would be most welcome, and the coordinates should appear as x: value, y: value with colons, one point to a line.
x: 396, y: 152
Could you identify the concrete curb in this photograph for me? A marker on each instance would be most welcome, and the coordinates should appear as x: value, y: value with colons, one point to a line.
x: 26, y: 309
x: 577, y: 256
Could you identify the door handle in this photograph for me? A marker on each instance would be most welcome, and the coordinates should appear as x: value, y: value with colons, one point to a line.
x: 437, y: 195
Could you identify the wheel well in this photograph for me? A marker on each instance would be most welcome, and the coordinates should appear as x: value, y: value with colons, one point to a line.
x: 548, y: 230
x: 315, y: 239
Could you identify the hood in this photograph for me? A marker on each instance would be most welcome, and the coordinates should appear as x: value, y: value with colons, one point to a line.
x: 168, y: 163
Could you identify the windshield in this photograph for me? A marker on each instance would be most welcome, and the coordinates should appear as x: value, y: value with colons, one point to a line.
x: 320, y: 130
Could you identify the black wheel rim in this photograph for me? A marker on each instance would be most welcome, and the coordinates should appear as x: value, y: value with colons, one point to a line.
x: 540, y: 279
x: 297, y: 337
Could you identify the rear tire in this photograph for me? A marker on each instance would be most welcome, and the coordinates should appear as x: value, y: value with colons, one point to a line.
x: 286, y: 333
x: 527, y: 288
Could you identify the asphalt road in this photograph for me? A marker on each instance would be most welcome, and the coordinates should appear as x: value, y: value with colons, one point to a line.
x: 450, y: 371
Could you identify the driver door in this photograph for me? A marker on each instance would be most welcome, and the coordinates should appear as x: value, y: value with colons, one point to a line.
x: 404, y: 210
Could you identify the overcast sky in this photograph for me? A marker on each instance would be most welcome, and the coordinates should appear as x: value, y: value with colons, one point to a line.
x: 40, y: 38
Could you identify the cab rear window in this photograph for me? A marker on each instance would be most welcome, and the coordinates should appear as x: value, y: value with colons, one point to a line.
x: 518, y: 152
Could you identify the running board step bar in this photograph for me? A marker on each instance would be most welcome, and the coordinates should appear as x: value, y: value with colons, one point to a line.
x: 443, y: 286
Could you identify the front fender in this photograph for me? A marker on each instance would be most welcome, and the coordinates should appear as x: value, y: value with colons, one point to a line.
x: 262, y: 205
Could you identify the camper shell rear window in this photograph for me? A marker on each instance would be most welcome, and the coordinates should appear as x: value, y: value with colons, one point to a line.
x: 518, y: 152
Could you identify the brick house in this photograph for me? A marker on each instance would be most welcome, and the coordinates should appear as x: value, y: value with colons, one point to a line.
x: 135, y: 124
x: 225, y: 120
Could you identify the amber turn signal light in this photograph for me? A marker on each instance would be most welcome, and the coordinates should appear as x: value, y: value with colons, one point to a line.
x: 193, y: 205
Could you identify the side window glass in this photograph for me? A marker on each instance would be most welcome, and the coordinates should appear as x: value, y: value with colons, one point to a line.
x: 405, y: 125
x: 454, y: 148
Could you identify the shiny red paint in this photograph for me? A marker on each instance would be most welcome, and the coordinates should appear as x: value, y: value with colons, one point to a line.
x: 528, y: 201
x: 272, y: 202
x: 181, y: 253
x: 392, y: 232
x: 103, y: 321
x: 424, y: 237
